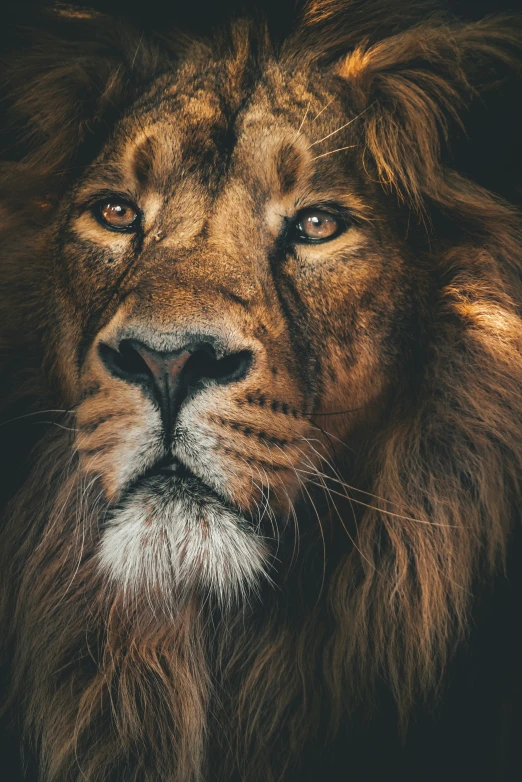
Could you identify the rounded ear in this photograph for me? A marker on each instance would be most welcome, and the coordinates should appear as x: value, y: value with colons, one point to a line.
x: 330, y: 28
x: 66, y: 73
x: 412, y: 85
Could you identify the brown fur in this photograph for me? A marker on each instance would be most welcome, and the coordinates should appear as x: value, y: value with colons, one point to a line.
x: 383, y: 413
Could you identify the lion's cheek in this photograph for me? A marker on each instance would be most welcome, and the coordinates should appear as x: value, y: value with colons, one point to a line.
x: 117, y: 438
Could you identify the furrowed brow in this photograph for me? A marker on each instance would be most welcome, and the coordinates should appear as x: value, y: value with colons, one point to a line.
x: 143, y: 160
x: 288, y: 164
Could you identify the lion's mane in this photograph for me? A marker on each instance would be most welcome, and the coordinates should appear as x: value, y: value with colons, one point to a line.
x: 101, y: 690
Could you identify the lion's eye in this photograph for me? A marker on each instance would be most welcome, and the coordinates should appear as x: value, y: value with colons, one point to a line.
x: 316, y: 225
x: 117, y: 215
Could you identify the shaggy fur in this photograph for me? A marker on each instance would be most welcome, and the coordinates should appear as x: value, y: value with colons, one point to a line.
x: 362, y: 480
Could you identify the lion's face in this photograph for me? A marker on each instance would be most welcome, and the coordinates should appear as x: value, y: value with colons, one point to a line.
x: 227, y: 282
x: 263, y: 284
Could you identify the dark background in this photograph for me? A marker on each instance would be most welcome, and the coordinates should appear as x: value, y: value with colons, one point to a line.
x: 475, y: 732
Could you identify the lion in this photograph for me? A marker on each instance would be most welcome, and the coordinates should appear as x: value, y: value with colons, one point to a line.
x: 262, y: 382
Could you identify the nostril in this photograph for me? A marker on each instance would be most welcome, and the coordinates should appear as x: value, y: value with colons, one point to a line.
x: 126, y: 362
x: 169, y: 375
x: 233, y: 367
x: 203, y: 365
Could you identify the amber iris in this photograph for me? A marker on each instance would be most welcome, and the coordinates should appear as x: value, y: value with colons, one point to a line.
x: 117, y: 215
x: 315, y: 225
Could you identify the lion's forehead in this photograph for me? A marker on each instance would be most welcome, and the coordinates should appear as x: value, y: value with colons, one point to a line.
x: 187, y: 142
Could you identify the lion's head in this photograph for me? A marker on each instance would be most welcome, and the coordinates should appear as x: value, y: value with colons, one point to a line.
x: 276, y: 339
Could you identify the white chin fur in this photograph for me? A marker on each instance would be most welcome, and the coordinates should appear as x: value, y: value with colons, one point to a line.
x: 166, y: 545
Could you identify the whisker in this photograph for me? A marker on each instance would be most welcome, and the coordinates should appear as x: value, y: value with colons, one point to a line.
x: 346, y: 485
x: 327, y: 437
x: 387, y: 512
x: 70, y: 411
x: 263, y: 511
x: 271, y: 514
x: 351, y: 500
x: 60, y: 426
x: 81, y: 522
x: 136, y: 52
x: 341, y: 128
x: 339, y: 149
x: 330, y: 497
x: 302, y: 123
x: 330, y: 436
x: 328, y: 494
x: 304, y: 487
x: 291, y: 505
x: 337, y: 412
x: 297, y: 536
x: 323, y: 109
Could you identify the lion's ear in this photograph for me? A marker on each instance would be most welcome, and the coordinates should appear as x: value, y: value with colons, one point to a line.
x: 413, y: 85
x: 65, y: 73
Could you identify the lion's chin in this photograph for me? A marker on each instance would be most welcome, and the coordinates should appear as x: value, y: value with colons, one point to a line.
x: 172, y: 536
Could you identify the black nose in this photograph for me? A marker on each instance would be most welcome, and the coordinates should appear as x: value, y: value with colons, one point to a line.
x: 170, y: 376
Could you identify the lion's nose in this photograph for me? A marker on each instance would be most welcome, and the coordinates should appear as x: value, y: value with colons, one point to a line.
x: 169, y: 376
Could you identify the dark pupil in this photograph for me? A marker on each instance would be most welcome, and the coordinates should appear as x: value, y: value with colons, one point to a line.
x: 318, y: 226
x: 117, y: 213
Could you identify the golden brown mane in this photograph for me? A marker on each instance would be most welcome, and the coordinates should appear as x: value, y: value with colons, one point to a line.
x: 102, y: 690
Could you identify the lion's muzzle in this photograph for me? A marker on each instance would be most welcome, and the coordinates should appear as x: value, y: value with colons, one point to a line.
x: 169, y: 376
